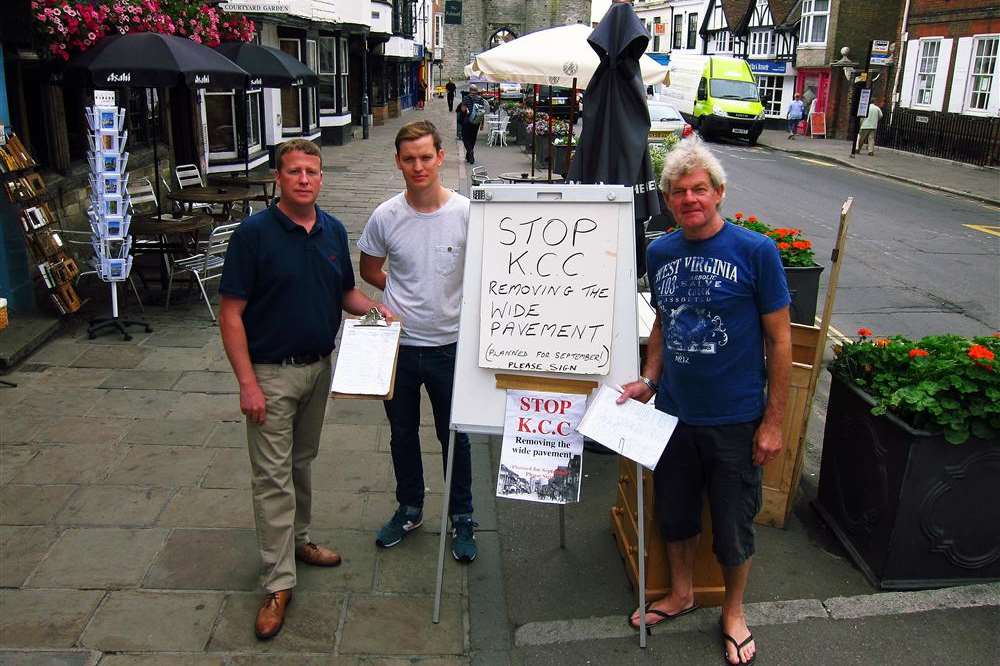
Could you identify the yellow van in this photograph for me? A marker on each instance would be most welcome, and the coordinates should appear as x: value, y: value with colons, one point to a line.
x: 717, y: 95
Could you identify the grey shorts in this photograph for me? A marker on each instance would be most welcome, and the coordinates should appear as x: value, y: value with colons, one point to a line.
x: 718, y: 459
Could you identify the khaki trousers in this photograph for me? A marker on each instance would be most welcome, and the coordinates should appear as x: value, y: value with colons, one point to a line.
x: 866, y: 137
x: 281, y: 451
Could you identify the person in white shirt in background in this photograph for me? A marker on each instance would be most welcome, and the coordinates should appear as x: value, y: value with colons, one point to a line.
x: 868, y: 127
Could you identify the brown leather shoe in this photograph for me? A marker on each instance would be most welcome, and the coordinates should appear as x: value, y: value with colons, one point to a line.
x: 318, y: 556
x: 271, y: 615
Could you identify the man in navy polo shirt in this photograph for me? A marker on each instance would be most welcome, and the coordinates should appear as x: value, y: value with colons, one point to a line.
x: 723, y: 326
x: 286, y: 279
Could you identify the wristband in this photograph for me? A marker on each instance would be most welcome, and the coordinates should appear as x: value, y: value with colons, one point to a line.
x: 650, y: 383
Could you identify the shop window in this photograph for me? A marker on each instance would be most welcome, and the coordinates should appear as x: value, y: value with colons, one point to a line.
x: 254, y: 101
x: 930, y: 50
x: 327, y: 55
x: 312, y: 62
x: 770, y: 92
x: 815, y: 17
x: 692, y: 31
x: 220, y: 118
x: 983, y: 73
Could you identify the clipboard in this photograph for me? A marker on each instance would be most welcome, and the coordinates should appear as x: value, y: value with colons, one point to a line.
x: 366, y: 359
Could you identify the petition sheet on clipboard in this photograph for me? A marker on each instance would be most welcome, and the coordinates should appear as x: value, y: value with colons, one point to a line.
x: 365, y: 358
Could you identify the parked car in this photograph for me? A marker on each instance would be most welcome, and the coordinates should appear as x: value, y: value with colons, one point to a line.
x: 665, y: 119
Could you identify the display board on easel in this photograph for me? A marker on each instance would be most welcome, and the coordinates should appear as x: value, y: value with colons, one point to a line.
x: 549, y: 293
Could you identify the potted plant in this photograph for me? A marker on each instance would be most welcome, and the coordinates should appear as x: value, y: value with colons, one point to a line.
x: 540, y: 128
x: 911, y: 458
x: 560, y: 148
x: 801, y: 270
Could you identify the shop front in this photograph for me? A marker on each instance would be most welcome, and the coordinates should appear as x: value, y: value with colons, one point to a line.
x: 813, y: 83
x: 776, y: 82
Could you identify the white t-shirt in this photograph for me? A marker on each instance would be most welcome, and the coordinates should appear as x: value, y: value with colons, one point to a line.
x: 426, y: 256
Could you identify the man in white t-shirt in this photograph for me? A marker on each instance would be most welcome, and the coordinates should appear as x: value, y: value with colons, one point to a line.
x: 422, y: 232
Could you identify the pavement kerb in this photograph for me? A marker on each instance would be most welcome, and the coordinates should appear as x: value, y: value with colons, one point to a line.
x: 768, y: 613
x: 875, y: 172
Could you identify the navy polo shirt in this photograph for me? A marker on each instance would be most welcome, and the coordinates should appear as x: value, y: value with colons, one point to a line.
x: 293, y: 283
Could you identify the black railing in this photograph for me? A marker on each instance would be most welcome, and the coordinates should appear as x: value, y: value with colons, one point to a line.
x: 952, y: 136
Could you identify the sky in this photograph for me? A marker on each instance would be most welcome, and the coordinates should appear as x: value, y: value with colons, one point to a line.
x: 597, y: 9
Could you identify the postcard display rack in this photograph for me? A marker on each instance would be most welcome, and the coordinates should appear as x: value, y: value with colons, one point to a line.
x: 24, y: 188
x: 110, y: 206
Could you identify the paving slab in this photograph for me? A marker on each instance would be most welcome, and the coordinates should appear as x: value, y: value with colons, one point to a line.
x: 147, y: 404
x: 195, y: 338
x: 410, y: 567
x: 153, y: 621
x: 102, y: 429
x: 230, y: 469
x: 206, y: 559
x: 169, y: 432
x: 115, y: 558
x: 134, y: 659
x: 201, y: 381
x: 357, y: 571
x: 18, y: 429
x: 72, y: 377
x: 123, y: 356
x: 310, y: 624
x: 229, y: 434
x: 358, y: 470
x: 21, y: 549
x: 45, y: 618
x: 339, y: 437
x: 207, y: 406
x: 295, y: 660
x: 49, y: 657
x: 418, y: 661
x: 209, y: 507
x: 69, y: 464
x: 174, y: 359
x: 407, y: 621
x: 58, y: 352
x: 154, y: 380
x: 48, y: 401
x: 165, y: 466
x: 355, y: 412
x: 333, y: 509
x: 120, y: 506
x: 32, y: 505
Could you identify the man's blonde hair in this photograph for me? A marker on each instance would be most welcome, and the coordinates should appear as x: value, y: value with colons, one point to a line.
x: 687, y: 156
x: 302, y: 145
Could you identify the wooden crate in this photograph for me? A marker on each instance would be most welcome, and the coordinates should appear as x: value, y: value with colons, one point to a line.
x: 709, y: 588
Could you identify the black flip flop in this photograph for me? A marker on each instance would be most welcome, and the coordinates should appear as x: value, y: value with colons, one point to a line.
x: 663, y: 616
x: 739, y: 646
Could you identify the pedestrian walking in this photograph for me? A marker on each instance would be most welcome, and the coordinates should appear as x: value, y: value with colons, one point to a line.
x: 422, y: 232
x: 796, y: 112
x: 421, y: 95
x: 721, y: 327
x: 459, y: 116
x: 450, y: 90
x: 472, y: 111
x: 288, y: 263
x: 868, y: 127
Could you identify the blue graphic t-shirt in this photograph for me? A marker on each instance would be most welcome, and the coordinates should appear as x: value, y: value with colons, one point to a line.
x: 711, y: 295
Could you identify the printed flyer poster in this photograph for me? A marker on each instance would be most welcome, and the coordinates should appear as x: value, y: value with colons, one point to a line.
x: 542, y: 455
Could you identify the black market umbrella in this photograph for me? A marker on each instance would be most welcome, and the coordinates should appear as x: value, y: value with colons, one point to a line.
x: 153, y: 60
x: 614, y: 144
x: 268, y: 67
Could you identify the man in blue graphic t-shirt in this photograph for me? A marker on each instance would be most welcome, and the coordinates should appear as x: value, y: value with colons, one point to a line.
x: 722, y: 320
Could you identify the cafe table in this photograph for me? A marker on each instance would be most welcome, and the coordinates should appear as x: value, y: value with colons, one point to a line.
x: 223, y: 195
x: 166, y: 235
x: 525, y: 177
x: 261, y: 179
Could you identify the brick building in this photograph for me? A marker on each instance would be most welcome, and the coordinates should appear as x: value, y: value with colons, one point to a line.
x: 473, y: 26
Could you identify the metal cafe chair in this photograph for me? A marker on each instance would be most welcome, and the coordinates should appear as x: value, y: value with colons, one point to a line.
x: 189, y: 175
x: 498, y: 132
x: 207, y: 263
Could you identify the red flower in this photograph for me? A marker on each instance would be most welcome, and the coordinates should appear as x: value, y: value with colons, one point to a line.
x: 739, y: 215
x: 865, y: 332
x: 783, y: 246
x: 802, y: 245
x: 881, y: 342
x: 752, y: 218
x: 979, y: 352
x: 915, y: 352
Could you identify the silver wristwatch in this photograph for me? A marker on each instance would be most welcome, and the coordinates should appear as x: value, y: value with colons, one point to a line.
x: 653, y: 386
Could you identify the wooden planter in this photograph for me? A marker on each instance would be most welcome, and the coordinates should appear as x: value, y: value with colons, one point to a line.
x: 912, y: 510
x: 803, y: 284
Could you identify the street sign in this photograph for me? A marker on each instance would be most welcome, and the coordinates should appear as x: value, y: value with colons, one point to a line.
x: 863, y: 101
x: 453, y: 12
x: 881, y: 52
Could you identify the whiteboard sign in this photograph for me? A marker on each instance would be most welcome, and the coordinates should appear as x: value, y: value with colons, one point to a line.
x: 548, y: 288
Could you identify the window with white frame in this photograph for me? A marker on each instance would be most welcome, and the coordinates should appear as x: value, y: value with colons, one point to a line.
x: 343, y: 70
x: 220, y: 118
x: 327, y: 55
x: 692, y: 31
x: 723, y: 41
x: 983, y: 73
x: 439, y: 30
x: 770, y: 93
x: 312, y: 62
x: 815, y: 18
x: 253, y: 119
x: 930, y: 51
x: 291, y: 97
x: 761, y: 44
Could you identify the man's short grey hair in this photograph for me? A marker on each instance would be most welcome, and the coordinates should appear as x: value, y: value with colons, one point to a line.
x: 687, y: 156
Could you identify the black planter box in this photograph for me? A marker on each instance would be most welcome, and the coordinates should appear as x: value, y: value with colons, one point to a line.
x: 542, y: 149
x: 561, y: 156
x: 803, y: 284
x: 912, y: 510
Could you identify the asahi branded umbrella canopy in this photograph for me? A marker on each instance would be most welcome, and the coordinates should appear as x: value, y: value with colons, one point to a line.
x: 551, y: 57
x: 268, y: 67
x: 153, y: 60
